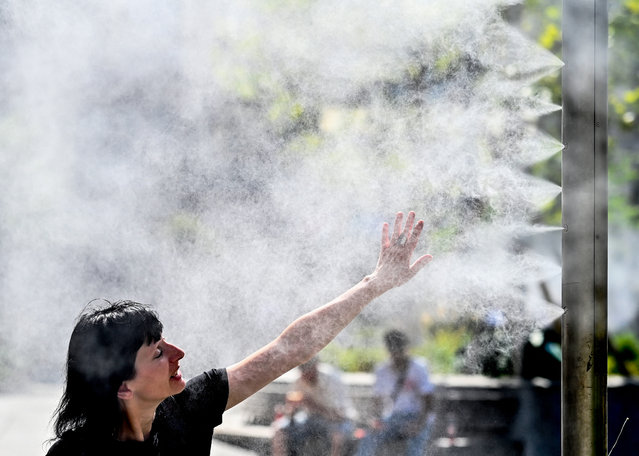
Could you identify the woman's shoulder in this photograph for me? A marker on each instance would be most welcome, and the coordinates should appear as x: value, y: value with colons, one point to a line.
x: 63, y: 447
x: 72, y: 443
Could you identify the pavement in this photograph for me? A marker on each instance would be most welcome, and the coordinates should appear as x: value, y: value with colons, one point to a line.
x: 25, y: 426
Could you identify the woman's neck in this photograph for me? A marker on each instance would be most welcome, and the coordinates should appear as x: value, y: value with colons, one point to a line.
x: 137, y: 422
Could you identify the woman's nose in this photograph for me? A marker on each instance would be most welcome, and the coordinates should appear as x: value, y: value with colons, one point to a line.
x: 175, y: 353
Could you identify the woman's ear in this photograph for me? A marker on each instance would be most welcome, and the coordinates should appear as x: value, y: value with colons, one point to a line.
x: 124, y: 392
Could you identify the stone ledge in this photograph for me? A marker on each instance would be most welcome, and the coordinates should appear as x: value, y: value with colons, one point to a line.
x: 495, y: 401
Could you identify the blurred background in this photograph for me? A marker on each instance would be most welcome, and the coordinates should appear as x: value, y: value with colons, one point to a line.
x: 232, y: 163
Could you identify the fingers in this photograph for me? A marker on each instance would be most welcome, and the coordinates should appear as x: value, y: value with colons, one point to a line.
x: 414, y: 238
x: 385, y: 241
x: 407, y: 233
x: 408, y: 237
x: 397, y: 227
x: 410, y: 220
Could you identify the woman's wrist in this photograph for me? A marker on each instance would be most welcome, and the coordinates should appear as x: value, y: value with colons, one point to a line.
x: 376, y: 286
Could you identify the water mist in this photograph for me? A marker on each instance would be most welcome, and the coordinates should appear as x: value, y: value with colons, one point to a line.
x: 232, y: 162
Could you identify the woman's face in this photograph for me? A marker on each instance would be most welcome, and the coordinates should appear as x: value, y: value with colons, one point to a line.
x: 157, y: 373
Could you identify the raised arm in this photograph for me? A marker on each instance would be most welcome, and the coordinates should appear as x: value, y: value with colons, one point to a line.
x: 313, y: 331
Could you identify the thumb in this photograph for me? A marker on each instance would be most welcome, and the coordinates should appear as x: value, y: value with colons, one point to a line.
x: 420, y: 263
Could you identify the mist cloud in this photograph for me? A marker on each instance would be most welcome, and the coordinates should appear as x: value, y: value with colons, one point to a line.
x: 232, y: 163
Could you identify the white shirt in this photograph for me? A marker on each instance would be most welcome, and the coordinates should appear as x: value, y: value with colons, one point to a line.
x: 416, y: 385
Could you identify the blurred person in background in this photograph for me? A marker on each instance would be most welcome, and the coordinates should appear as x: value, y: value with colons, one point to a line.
x: 318, y: 413
x: 403, y: 401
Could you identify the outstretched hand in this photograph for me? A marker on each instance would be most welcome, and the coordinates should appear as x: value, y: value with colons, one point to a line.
x: 393, y: 266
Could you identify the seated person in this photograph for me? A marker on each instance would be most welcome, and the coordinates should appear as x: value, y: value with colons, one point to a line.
x: 317, y: 409
x: 402, y: 400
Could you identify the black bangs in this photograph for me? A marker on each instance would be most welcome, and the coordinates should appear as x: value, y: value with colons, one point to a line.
x: 153, y: 331
x: 106, y: 340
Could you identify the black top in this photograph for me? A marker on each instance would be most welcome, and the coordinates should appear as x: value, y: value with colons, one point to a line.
x: 183, y: 424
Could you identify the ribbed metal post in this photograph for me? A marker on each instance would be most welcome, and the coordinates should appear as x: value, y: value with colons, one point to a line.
x: 584, y: 429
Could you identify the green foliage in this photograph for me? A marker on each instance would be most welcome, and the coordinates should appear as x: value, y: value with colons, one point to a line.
x: 362, y: 353
x: 353, y: 359
x: 188, y: 231
x: 623, y: 355
x: 447, y: 63
x: 623, y: 89
x: 442, y: 347
x: 443, y: 239
x: 541, y: 21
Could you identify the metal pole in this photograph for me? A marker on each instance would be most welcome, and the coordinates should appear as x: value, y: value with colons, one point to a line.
x: 584, y: 429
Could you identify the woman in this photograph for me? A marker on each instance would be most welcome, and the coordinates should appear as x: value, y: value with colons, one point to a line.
x: 125, y: 393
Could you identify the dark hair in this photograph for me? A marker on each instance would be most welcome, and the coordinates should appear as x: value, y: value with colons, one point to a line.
x: 310, y: 364
x: 395, y: 340
x: 101, y: 356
